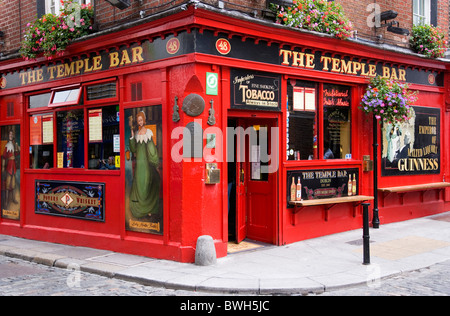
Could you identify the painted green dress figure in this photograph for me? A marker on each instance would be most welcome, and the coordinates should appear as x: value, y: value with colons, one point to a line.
x: 144, y: 194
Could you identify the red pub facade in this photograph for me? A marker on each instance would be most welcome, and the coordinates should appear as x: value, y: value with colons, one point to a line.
x: 198, y: 122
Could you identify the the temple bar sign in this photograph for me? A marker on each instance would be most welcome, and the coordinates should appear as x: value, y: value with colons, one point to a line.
x: 339, y: 65
x: 327, y: 62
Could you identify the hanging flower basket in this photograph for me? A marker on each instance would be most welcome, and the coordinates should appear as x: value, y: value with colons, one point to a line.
x: 50, y: 35
x: 428, y: 40
x: 388, y: 100
x: 315, y: 15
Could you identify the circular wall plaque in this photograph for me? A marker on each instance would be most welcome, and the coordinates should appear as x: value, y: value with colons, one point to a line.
x: 193, y: 105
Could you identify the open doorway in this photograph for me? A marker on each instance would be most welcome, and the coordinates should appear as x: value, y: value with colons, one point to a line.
x: 252, y: 191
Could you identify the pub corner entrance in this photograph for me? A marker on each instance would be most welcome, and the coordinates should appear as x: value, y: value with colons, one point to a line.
x: 252, y: 191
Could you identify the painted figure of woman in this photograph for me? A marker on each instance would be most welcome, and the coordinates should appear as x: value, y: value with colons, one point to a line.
x: 144, y: 195
x: 12, y: 150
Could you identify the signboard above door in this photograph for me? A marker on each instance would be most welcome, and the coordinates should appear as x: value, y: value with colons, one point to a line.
x: 255, y: 90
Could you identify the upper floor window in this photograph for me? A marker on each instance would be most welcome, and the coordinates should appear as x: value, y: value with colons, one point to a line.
x: 425, y: 12
x: 54, y: 6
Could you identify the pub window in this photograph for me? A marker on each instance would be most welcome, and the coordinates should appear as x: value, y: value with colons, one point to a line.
x: 336, y: 122
x: 67, y: 131
x: 39, y: 100
x: 302, y: 120
x: 101, y: 91
x: 41, y: 141
x: 65, y: 96
x: 104, y: 138
x: 318, y: 127
x: 70, y: 138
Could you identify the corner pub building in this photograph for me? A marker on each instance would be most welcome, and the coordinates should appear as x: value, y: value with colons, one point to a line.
x: 197, y: 121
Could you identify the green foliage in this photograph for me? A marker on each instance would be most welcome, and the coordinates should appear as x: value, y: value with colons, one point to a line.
x: 315, y: 15
x: 50, y: 35
x: 428, y: 40
x: 388, y: 100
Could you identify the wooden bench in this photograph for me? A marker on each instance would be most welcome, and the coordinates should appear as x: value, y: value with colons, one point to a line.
x: 401, y: 190
x: 356, y: 200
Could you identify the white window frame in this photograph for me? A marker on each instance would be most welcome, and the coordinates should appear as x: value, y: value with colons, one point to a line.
x: 54, y: 6
x: 421, y: 12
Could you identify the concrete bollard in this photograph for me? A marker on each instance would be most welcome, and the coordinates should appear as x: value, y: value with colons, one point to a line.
x: 205, y: 252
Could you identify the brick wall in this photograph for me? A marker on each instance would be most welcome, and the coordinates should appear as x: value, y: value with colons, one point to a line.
x: 358, y: 12
x: 15, y: 14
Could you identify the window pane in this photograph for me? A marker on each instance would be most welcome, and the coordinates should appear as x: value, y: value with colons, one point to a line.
x: 70, y: 133
x: 41, y: 141
x: 104, y: 138
x: 302, y: 120
x: 66, y: 96
x: 101, y: 91
x: 337, y: 121
x: 39, y: 100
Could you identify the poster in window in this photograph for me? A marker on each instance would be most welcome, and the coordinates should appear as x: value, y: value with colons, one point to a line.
x: 36, y: 130
x: 310, y: 99
x: 10, y: 185
x: 143, y: 170
x: 413, y: 147
x: 95, y: 126
x: 299, y: 99
x: 47, y: 129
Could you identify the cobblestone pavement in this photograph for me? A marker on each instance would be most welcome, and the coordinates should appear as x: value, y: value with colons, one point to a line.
x: 432, y: 281
x: 23, y: 278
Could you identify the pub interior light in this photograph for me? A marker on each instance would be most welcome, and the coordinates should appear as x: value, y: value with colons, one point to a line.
x: 120, y: 4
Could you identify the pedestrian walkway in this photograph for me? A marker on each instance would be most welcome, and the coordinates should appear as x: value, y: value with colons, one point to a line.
x: 310, y: 266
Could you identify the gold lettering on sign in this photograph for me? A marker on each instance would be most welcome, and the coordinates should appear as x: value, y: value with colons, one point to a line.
x: 338, y: 65
x: 124, y: 57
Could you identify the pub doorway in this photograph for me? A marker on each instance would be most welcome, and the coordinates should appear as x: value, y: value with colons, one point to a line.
x: 252, y: 191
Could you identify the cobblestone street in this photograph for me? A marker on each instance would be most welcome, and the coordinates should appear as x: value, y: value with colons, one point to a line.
x: 23, y: 278
x: 432, y: 281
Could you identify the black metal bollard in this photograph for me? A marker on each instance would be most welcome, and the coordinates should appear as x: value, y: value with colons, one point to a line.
x: 366, y: 236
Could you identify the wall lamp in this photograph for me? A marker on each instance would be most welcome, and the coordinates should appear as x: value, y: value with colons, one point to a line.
x: 398, y: 30
x: 389, y: 15
x: 120, y: 4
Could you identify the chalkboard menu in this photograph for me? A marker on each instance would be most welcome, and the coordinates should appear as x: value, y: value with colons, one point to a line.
x: 322, y: 183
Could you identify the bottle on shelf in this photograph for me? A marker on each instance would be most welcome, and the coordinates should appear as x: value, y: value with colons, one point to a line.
x: 354, y: 185
x: 293, y: 190
x: 299, y: 190
x: 350, y: 185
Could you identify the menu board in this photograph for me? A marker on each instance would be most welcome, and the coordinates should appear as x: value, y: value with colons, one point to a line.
x: 95, y: 126
x: 47, y: 129
x: 304, y: 99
